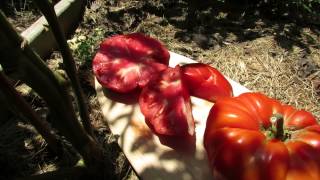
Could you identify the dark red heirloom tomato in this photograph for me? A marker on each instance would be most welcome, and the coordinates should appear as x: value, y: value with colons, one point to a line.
x: 125, y: 62
x: 206, y: 82
x: 253, y: 137
x: 165, y: 103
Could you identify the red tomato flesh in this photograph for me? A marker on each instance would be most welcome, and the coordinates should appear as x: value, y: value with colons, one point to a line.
x: 206, y: 82
x: 126, y: 62
x: 165, y: 103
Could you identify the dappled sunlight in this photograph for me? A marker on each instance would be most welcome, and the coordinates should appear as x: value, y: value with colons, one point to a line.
x: 156, y: 156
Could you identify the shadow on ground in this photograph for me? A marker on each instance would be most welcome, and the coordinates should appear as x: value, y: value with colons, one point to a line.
x: 212, y: 23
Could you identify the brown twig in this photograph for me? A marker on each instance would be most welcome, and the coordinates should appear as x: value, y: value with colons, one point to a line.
x: 48, y: 11
x: 24, y: 108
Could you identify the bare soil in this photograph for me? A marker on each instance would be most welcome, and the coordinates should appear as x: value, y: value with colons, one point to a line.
x: 278, y: 57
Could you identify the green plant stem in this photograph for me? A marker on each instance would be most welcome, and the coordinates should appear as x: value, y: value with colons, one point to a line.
x: 24, y: 108
x: 32, y: 70
x: 18, y: 56
x: 48, y: 11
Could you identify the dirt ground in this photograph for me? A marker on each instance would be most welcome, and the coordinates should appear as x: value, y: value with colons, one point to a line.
x: 278, y: 57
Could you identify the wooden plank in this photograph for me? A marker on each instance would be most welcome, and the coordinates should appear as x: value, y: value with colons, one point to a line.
x: 151, y: 159
x: 39, y: 35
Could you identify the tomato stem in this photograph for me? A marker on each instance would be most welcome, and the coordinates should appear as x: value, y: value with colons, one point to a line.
x: 277, y: 126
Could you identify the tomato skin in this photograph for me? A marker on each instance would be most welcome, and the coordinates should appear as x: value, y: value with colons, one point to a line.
x: 165, y: 103
x: 238, y: 146
x: 206, y: 82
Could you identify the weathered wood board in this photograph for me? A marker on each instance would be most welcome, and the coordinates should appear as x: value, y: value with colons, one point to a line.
x: 151, y: 159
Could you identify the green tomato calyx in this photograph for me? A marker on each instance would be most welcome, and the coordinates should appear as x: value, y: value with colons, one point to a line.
x: 277, y: 129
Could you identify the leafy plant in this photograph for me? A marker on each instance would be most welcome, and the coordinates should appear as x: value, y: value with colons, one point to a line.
x: 84, y: 46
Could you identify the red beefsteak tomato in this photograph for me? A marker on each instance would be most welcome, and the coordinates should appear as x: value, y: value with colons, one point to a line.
x: 165, y: 103
x: 126, y: 62
x: 206, y: 82
x: 253, y: 137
